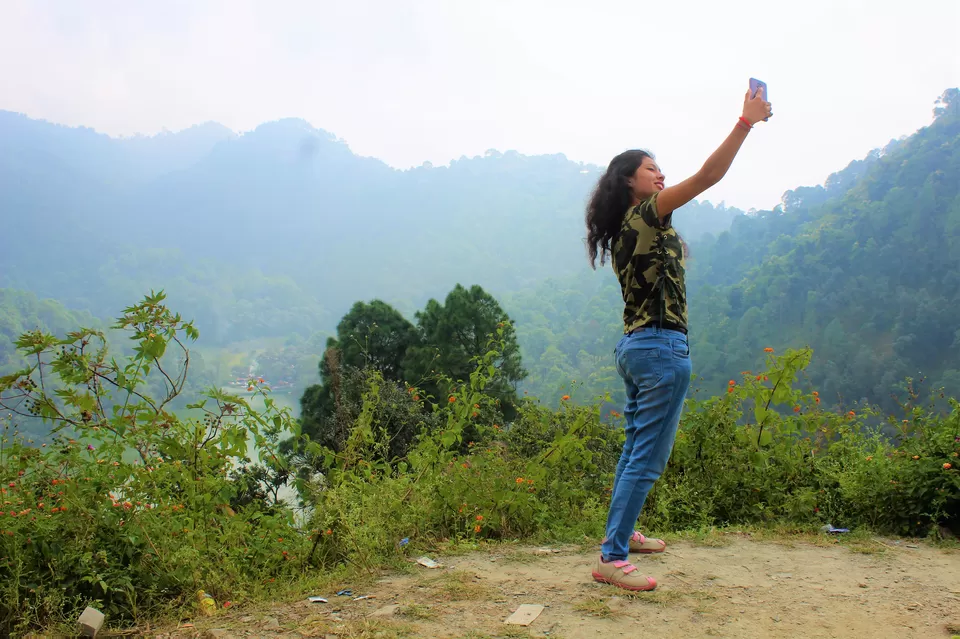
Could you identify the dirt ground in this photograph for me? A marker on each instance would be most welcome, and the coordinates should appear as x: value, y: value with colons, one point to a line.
x: 722, y: 586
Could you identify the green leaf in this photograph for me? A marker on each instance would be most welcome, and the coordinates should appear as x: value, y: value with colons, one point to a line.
x: 760, y: 413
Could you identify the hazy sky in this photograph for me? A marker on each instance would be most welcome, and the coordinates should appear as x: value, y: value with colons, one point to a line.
x: 414, y: 80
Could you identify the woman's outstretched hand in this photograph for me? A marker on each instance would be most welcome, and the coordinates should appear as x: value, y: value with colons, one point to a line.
x: 756, y: 108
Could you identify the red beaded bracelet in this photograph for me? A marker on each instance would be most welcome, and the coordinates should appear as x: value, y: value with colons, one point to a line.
x: 744, y: 121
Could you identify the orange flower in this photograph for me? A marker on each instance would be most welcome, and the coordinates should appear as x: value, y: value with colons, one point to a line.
x: 476, y: 528
x: 916, y: 456
x: 816, y: 394
x: 519, y: 480
x: 870, y: 458
x: 947, y: 466
x: 729, y: 389
x: 416, y: 398
x: 565, y: 398
x: 479, y: 517
x: 768, y: 350
x: 731, y: 383
x: 796, y: 409
x: 452, y: 399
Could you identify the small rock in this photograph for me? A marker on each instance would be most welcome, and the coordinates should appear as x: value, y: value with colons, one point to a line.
x: 863, y: 585
x: 386, y: 611
x: 271, y: 623
x: 90, y: 622
x: 216, y: 633
x: 246, y: 619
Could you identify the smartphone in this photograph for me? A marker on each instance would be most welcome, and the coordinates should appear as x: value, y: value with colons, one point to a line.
x: 754, y: 86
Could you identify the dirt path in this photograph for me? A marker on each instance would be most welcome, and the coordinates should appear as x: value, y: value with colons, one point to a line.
x: 733, y: 588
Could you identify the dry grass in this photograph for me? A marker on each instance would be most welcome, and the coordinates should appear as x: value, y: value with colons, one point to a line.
x: 595, y: 607
x: 415, y: 611
x: 456, y: 585
x: 372, y: 629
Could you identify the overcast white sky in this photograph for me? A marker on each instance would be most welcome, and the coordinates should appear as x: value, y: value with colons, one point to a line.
x: 414, y: 80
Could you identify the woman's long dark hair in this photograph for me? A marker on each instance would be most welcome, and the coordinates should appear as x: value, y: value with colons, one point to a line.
x: 610, y: 200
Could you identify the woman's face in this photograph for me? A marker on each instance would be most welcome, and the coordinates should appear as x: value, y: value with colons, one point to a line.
x: 647, y: 180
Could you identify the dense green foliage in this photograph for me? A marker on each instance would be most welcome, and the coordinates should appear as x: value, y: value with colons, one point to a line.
x: 133, y: 510
x: 143, y: 508
x: 434, y: 354
x: 20, y: 312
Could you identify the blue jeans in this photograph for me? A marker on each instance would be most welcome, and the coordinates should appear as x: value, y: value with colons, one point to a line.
x: 655, y: 366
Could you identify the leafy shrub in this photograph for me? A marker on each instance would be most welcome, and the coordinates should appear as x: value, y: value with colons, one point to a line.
x: 128, y: 510
x: 538, y: 477
x: 133, y: 509
x: 738, y: 459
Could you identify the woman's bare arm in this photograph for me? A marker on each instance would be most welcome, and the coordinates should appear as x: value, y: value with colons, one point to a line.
x: 671, y: 198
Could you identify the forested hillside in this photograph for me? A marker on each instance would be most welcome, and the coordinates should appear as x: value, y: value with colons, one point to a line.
x: 864, y: 269
x: 21, y: 312
x: 266, y: 239
x: 279, y: 230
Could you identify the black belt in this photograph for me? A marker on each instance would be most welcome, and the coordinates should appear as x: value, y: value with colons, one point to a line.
x: 661, y: 325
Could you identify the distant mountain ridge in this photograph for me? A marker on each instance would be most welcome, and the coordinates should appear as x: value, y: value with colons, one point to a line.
x: 204, y: 212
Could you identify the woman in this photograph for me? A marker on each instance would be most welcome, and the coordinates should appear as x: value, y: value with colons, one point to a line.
x: 629, y: 218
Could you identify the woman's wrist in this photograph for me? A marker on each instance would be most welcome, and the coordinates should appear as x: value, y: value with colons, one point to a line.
x: 744, y: 123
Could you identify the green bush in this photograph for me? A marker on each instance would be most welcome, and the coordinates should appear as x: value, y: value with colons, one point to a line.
x: 128, y: 510
x: 490, y: 487
x: 132, y: 509
x: 740, y: 460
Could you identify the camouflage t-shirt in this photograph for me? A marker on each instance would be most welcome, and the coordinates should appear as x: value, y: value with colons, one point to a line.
x: 648, y: 260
